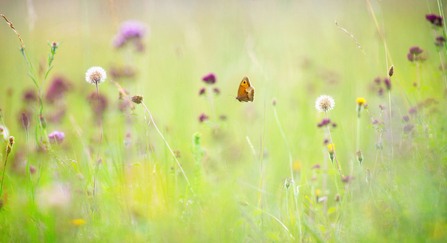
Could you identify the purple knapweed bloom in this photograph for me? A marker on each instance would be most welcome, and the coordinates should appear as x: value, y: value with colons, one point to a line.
x: 130, y: 30
x: 413, y: 54
x: 56, y: 137
x: 325, y: 122
x: 375, y: 122
x: 377, y: 80
x: 440, y: 40
x: 388, y: 84
x: 57, y: 89
x: 415, y: 50
x: 209, y: 79
x: 334, y: 125
x: 408, y: 128
x: 434, y: 19
x: 413, y: 110
x: 203, y: 117
x: 216, y: 91
x: 202, y: 91
x: 406, y: 118
x: 382, y: 107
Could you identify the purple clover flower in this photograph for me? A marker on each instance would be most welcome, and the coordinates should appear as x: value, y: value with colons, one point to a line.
x: 203, y: 117
x: 434, y: 19
x: 56, y: 137
x: 209, y: 79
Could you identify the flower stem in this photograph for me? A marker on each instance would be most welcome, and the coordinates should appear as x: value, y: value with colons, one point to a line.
x: 4, y: 169
x: 332, y: 143
x: 169, y: 147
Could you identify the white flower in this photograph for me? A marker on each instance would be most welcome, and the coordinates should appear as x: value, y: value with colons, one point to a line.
x: 95, y: 75
x: 324, y: 103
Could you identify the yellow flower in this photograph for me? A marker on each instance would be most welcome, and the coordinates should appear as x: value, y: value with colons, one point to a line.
x: 330, y: 148
x: 296, y: 165
x: 361, y: 101
x: 317, y: 192
x: 78, y: 222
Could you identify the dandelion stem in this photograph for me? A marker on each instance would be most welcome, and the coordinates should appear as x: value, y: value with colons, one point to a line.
x: 169, y: 147
x: 332, y: 143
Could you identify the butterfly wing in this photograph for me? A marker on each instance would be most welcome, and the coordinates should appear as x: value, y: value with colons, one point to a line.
x: 246, y: 91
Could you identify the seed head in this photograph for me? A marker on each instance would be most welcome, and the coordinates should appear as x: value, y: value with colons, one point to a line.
x: 324, y: 103
x: 137, y: 99
x: 95, y: 75
x: 391, y: 71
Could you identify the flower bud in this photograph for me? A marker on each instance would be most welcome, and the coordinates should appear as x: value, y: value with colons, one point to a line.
x: 359, y: 156
x: 137, y: 99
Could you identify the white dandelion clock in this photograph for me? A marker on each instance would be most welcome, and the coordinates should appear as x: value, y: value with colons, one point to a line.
x: 324, y: 103
x: 95, y: 75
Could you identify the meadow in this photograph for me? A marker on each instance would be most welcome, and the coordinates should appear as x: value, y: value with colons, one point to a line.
x: 119, y: 121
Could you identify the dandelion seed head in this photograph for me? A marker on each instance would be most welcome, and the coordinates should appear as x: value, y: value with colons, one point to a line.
x: 95, y: 75
x: 324, y: 103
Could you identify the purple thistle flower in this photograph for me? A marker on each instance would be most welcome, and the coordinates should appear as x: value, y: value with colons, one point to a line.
x: 29, y: 96
x: 440, y: 40
x: 57, y: 89
x: 202, y: 91
x: 56, y: 137
x: 375, y: 122
x: 216, y: 91
x: 413, y: 110
x: 209, y: 79
x: 130, y: 30
x: 326, y: 141
x: 406, y: 118
x: 388, y: 84
x: 382, y: 107
x: 325, y: 122
x: 410, y: 57
x: 319, y: 125
x: 315, y: 166
x: 434, y: 19
x: 334, y: 125
x: 203, y: 117
x: 377, y: 80
x: 347, y: 178
x: 408, y: 128
x: 415, y: 50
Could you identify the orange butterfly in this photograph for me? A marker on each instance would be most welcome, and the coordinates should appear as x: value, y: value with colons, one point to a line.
x: 246, y: 92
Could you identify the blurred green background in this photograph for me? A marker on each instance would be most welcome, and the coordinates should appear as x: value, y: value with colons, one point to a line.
x: 291, y: 51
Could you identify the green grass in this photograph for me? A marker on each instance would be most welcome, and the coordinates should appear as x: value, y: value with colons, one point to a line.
x: 292, y: 51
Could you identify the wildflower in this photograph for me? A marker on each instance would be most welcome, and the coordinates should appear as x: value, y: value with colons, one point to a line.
x: 408, y: 128
x: 440, y: 40
x: 209, y: 79
x: 137, y: 99
x: 434, y: 19
x: 326, y: 141
x: 203, y: 117
x: 32, y: 169
x: 296, y: 166
x: 216, y: 91
x: 413, y: 110
x: 324, y: 103
x: 380, y: 92
x: 359, y: 156
x: 78, y: 222
x: 388, y: 84
x: 334, y: 125
x: 377, y: 81
x: 57, y: 89
x: 375, y: 121
x: 365, y: 106
x: 382, y: 107
x: 202, y: 91
x: 315, y: 166
x: 391, y: 71
x: 10, y: 144
x: 325, y: 122
x: 56, y: 137
x: 130, y: 30
x: 415, y: 50
x: 406, y: 118
x: 29, y: 96
x: 25, y: 121
x: 95, y: 75
x: 347, y: 178
x: 360, y: 103
x: 99, y: 105
x: 330, y: 148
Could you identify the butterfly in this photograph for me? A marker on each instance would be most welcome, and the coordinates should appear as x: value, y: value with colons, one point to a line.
x: 246, y: 92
